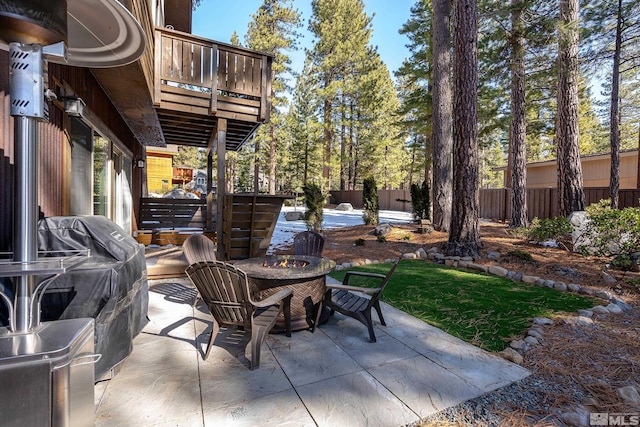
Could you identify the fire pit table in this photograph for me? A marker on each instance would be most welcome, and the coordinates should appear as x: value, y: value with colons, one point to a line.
x: 305, y: 275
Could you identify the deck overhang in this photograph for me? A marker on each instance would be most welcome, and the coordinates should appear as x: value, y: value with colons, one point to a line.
x: 183, y: 84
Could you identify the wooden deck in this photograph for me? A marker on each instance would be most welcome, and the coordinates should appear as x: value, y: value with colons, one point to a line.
x: 198, y: 81
x: 165, y: 262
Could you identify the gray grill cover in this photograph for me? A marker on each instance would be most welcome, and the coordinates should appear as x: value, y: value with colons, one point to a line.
x: 110, y: 287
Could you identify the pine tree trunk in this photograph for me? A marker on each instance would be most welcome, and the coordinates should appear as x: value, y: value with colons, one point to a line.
x: 442, y: 141
x: 343, y: 148
x: 518, y: 129
x: 614, y: 135
x: 464, y: 235
x: 570, y: 186
x: 272, y: 159
x: 326, y: 157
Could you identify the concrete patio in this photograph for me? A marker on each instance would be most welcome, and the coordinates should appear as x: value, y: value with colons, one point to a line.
x: 333, y: 377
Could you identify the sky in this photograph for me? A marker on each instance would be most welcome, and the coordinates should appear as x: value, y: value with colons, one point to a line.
x: 216, y: 20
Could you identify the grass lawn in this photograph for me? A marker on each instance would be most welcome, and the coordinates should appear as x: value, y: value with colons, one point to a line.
x: 482, y: 309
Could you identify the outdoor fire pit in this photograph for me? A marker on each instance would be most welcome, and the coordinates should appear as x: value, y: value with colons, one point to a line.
x: 305, y: 275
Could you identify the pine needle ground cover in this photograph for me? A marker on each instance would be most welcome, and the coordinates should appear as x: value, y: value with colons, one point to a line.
x: 485, y: 310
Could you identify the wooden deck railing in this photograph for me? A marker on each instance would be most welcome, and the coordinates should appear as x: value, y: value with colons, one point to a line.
x: 201, y: 76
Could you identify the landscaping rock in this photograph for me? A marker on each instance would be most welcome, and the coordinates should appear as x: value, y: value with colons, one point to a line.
x: 466, y: 258
x: 511, y: 355
x: 542, y: 321
x: 572, y: 287
x: 579, y: 321
x: 519, y: 345
x: 498, y: 271
x: 463, y: 264
x: 600, y: 309
x: 531, y: 340
x: 410, y: 255
x: 517, y: 276
x: 539, y: 282
x: 560, y: 286
x: 607, y: 278
x: 421, y: 253
x: 478, y: 267
x: 344, y: 207
x: 450, y: 262
x: 586, y: 291
x: 629, y: 395
x: 575, y: 417
x: 623, y: 305
x: 381, y: 229
x: 535, y: 333
x: 603, y: 294
x: 585, y: 313
x: 579, y: 222
x: 432, y: 250
x: 549, y: 283
x: 493, y: 255
x: 530, y: 279
x: 614, y: 308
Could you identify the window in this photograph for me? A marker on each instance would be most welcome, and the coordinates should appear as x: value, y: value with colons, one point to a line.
x: 100, y: 175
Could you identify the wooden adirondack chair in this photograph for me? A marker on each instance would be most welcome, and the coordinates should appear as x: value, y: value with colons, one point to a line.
x: 344, y: 299
x: 226, y: 291
x: 198, y: 248
x: 308, y: 243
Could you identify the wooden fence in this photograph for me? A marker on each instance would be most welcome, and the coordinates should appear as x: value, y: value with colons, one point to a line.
x: 495, y: 203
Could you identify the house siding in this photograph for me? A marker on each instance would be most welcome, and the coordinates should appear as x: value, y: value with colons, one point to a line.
x: 595, y: 171
x: 54, y: 149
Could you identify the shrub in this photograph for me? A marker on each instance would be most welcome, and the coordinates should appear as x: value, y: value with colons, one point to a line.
x: 370, y: 203
x: 558, y: 229
x: 314, y: 202
x: 359, y: 242
x: 520, y: 254
x: 381, y: 239
x: 611, y: 231
x: 421, y: 201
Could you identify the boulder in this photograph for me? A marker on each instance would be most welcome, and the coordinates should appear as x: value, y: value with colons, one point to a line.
x: 381, y: 229
x: 344, y: 207
x: 294, y: 215
x: 579, y: 222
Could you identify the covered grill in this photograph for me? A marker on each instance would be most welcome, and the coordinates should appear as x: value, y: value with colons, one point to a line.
x: 111, y: 286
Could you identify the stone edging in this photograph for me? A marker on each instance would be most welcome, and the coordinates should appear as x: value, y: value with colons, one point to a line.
x: 518, y: 347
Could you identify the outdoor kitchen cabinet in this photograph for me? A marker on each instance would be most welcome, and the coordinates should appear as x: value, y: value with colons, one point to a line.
x: 47, y: 375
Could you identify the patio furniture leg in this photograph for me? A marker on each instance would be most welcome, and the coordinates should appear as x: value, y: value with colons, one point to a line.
x: 367, y: 320
x: 286, y: 309
x: 379, y: 311
x: 319, y: 307
x: 214, y: 333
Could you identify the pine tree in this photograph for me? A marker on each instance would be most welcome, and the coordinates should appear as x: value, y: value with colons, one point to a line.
x: 518, y: 128
x: 342, y: 31
x: 273, y: 30
x: 570, y: 190
x: 464, y: 234
x: 414, y: 78
x: 442, y: 116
